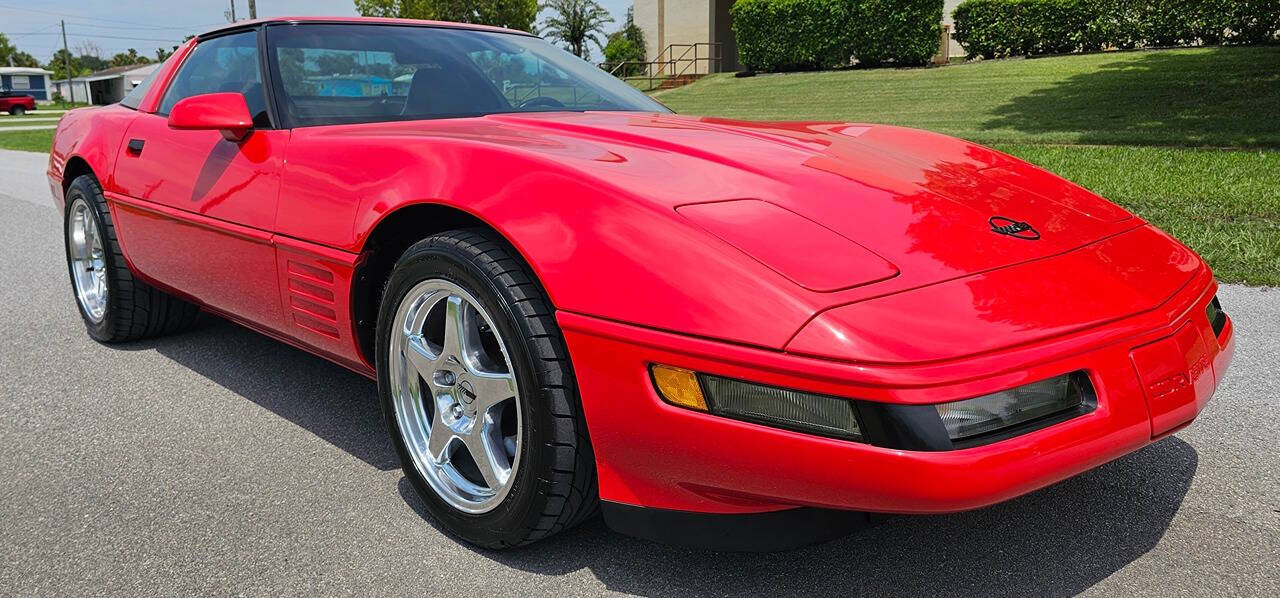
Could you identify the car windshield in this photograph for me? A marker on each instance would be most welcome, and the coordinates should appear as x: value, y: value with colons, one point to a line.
x: 332, y: 74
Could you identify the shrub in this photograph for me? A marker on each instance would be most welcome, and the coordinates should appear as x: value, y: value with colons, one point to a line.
x: 999, y: 28
x: 621, y: 49
x: 1252, y: 21
x: 1054, y: 26
x: 1187, y: 22
x: 625, y: 45
x: 996, y: 28
x: 784, y: 35
x: 789, y: 35
x: 986, y: 28
x: 903, y: 32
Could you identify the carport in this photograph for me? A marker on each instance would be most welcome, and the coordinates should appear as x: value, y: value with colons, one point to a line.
x: 107, y: 89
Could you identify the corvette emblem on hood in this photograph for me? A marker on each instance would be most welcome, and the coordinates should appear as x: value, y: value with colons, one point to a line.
x: 1013, y: 228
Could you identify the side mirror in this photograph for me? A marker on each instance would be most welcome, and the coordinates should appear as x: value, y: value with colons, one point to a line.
x: 226, y: 112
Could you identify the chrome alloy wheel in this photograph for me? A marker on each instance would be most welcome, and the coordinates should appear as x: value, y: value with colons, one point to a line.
x: 455, y: 395
x: 88, y: 261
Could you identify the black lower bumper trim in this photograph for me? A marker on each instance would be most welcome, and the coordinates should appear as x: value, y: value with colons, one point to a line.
x: 749, y: 532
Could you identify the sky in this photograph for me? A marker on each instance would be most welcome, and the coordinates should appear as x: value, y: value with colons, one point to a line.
x: 116, y: 25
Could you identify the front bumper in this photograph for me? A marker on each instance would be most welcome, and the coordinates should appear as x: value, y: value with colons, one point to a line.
x: 652, y: 454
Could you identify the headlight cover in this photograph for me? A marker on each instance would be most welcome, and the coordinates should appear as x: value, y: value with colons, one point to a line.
x: 918, y: 427
x: 779, y: 407
x: 776, y: 407
x: 1006, y: 409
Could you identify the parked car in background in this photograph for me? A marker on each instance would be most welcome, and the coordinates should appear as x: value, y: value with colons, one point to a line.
x: 16, y: 103
x: 724, y: 333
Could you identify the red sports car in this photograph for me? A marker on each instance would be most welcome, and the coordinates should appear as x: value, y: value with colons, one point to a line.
x: 734, y: 334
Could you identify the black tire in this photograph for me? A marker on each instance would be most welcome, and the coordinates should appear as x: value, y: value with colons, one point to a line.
x: 17, y: 110
x: 135, y: 310
x: 555, y: 485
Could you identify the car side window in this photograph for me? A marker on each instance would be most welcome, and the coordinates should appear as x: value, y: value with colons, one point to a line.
x: 133, y: 99
x: 526, y: 79
x: 223, y: 64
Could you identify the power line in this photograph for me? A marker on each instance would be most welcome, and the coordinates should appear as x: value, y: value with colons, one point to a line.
x: 36, y: 32
x: 71, y: 17
x: 103, y: 36
x: 153, y: 29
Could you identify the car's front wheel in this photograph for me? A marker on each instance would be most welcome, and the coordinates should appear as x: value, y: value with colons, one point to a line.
x: 18, y: 110
x: 479, y: 395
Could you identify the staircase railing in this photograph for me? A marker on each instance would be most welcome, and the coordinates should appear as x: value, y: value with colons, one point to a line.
x: 670, y: 65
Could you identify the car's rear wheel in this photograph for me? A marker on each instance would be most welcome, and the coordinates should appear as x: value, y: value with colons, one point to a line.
x: 114, y: 305
x: 478, y: 393
x: 18, y: 110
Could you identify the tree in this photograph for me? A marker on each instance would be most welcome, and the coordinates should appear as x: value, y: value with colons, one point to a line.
x: 334, y: 63
x: 293, y: 72
x: 163, y: 54
x: 10, y: 55
x: 625, y: 45
x: 575, y: 23
x: 91, y: 63
x: 512, y: 14
x: 88, y: 48
x: 58, y: 64
x: 129, y: 58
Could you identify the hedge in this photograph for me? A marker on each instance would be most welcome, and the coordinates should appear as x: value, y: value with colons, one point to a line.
x: 787, y: 35
x: 903, y: 32
x: 997, y: 28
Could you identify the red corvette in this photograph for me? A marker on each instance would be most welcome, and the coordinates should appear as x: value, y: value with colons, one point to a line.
x: 727, y: 333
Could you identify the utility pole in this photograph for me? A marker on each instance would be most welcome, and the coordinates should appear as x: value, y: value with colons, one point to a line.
x: 66, y: 57
x: 233, y: 11
x: 253, y: 10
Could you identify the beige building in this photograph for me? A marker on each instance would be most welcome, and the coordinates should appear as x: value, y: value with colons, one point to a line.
x: 948, y: 7
x: 672, y: 26
x: 683, y: 23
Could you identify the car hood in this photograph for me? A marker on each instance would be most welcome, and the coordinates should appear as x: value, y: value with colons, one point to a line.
x: 844, y: 213
x: 921, y: 201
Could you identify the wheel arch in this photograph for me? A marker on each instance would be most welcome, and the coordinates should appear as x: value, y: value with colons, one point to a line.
x: 393, y: 233
x: 76, y: 166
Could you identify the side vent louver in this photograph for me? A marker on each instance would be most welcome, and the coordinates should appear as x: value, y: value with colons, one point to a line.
x: 311, y: 298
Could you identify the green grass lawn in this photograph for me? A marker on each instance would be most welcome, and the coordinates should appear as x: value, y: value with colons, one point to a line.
x: 1189, y: 139
x: 31, y: 141
x: 39, y: 140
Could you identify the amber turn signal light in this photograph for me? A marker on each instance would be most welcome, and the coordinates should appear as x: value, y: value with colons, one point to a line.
x: 834, y: 417
x: 679, y: 386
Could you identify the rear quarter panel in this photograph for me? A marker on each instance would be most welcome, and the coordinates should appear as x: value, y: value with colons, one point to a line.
x: 90, y: 134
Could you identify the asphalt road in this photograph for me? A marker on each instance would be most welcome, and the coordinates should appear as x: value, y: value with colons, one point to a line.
x: 222, y: 462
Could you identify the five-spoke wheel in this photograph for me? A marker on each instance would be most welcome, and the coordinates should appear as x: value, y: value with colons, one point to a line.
x: 454, y: 395
x: 478, y: 392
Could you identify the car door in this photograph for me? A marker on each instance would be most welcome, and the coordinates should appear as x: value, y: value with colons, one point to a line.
x: 195, y: 210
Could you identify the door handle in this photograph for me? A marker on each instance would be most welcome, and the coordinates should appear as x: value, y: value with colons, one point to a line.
x: 135, y: 146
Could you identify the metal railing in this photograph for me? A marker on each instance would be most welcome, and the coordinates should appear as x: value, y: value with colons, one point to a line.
x: 669, y: 65
x: 568, y: 94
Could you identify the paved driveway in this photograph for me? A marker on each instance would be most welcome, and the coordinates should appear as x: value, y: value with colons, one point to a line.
x: 221, y: 462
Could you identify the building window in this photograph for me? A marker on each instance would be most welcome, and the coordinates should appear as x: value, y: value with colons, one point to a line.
x: 20, y: 82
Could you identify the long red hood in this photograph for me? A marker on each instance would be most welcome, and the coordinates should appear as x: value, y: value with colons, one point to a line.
x: 920, y: 200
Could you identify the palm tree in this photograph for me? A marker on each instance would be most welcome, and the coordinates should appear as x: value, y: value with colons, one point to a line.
x: 576, y: 22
